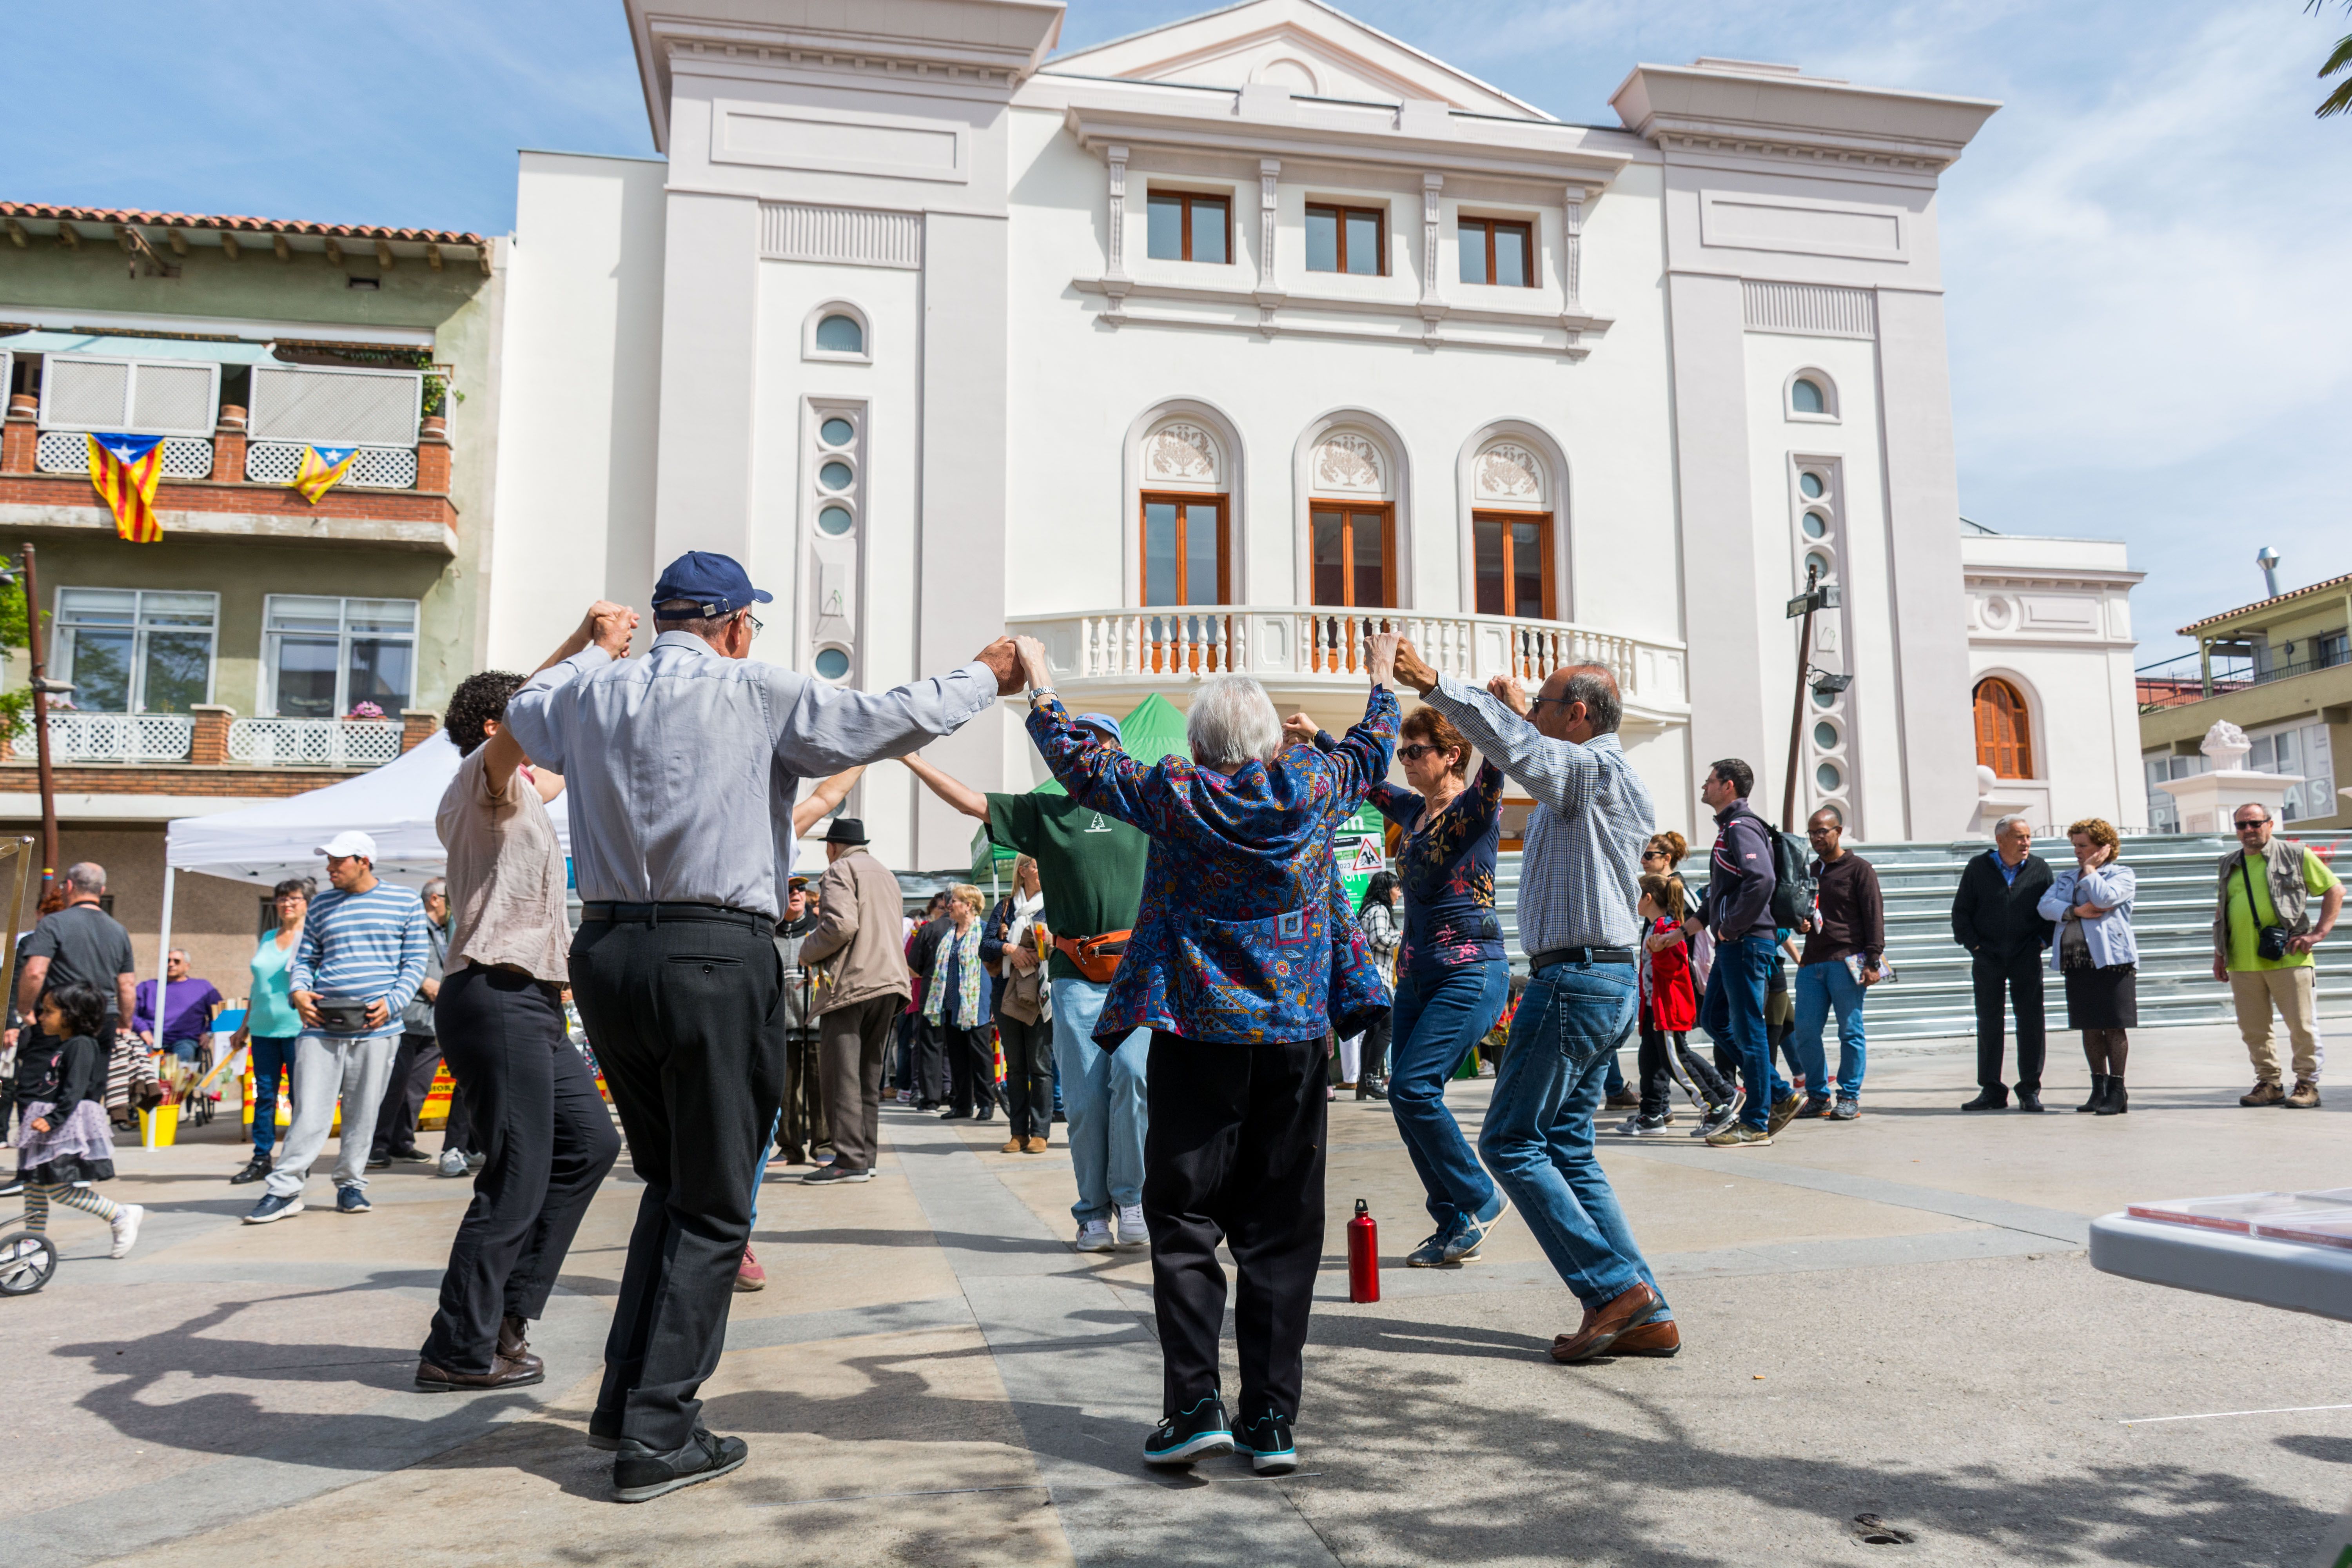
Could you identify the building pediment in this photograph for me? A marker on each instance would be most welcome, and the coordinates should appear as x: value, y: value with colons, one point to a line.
x: 1302, y: 45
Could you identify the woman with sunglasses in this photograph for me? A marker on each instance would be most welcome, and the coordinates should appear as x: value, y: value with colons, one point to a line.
x: 1452, y: 978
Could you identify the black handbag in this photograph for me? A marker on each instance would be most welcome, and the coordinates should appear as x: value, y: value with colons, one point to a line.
x: 2270, y: 941
x: 343, y: 1015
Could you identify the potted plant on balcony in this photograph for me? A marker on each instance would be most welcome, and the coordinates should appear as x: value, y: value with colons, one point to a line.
x: 364, y: 711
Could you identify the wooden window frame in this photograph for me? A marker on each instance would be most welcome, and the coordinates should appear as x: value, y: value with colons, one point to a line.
x: 1387, y: 511
x: 1988, y: 752
x: 1185, y: 200
x: 1379, y: 215
x: 1488, y: 225
x: 1182, y: 500
x: 1542, y: 520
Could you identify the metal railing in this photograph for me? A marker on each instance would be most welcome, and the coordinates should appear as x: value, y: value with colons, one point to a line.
x: 2178, y: 681
x: 314, y: 742
x: 1931, y: 995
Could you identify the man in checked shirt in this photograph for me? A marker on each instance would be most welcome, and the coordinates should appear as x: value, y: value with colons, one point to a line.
x: 1578, y: 886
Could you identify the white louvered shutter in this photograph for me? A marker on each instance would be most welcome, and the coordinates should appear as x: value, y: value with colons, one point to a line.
x: 328, y: 406
x: 135, y: 396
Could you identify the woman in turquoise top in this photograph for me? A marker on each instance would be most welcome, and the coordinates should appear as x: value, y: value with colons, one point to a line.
x: 271, y: 1024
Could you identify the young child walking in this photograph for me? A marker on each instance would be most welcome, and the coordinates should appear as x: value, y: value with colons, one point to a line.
x: 1668, y: 1011
x: 65, y: 1143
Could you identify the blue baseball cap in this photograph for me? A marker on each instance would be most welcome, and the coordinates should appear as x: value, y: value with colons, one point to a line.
x: 716, y: 584
x: 1102, y: 721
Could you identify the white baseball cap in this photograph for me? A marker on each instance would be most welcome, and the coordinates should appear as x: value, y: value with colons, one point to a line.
x: 350, y: 842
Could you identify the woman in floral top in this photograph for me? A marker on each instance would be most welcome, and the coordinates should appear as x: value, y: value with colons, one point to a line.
x: 1451, y: 976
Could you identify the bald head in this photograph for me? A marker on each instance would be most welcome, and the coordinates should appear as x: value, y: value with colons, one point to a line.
x: 1577, y: 703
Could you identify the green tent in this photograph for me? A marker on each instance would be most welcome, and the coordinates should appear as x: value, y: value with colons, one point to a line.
x: 1153, y: 729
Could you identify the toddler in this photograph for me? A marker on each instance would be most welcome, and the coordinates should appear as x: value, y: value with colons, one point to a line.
x: 65, y: 1143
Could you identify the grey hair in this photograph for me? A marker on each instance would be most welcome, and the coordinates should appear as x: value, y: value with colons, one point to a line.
x: 665, y: 619
x: 86, y: 876
x: 2001, y: 826
x: 435, y: 886
x: 1233, y: 721
x: 1593, y: 685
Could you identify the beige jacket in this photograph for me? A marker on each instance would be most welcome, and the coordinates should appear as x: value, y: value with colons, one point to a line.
x: 856, y: 938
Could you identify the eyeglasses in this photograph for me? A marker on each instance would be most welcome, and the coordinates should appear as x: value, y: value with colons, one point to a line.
x: 2252, y: 827
x: 757, y: 624
x: 1415, y: 752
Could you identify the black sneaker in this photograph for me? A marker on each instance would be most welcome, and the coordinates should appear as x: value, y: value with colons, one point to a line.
x: 378, y: 1162
x: 640, y: 1475
x: 10, y: 1186
x: 1191, y: 1435
x: 1267, y: 1442
x: 253, y: 1170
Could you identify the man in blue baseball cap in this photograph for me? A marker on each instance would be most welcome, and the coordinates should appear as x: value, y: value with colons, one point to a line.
x: 682, y: 768
x: 1090, y: 867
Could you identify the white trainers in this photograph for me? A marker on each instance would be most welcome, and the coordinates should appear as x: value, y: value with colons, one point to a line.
x: 453, y: 1163
x: 126, y: 1222
x: 1132, y: 1232
x: 1094, y: 1235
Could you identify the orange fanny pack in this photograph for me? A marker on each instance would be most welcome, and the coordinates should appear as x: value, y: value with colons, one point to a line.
x: 1096, y: 956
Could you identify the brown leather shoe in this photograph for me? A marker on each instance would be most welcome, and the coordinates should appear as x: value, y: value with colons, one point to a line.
x: 2264, y: 1094
x: 1034, y: 1146
x: 1012, y: 1146
x: 503, y: 1373
x: 1604, y: 1324
x: 1657, y: 1338
x: 514, y: 1343
x: 2304, y: 1098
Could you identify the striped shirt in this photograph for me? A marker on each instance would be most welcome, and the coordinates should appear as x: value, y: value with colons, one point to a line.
x: 1579, y: 877
x: 366, y: 944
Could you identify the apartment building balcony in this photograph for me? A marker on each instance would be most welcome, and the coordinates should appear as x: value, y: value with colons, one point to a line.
x: 154, y: 766
x: 1310, y: 655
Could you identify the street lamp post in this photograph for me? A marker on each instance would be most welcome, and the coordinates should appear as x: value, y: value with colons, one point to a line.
x: 1818, y: 595
x: 40, y: 684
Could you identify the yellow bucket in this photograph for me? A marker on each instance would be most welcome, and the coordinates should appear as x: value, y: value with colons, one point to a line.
x: 159, y: 1128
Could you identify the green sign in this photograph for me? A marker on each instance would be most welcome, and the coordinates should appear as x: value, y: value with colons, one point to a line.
x: 1358, y: 850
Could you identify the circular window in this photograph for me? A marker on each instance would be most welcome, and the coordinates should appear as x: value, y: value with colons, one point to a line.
x: 1819, y: 564
x: 1816, y: 525
x: 834, y: 476
x: 1811, y: 484
x: 1805, y: 397
x: 833, y: 663
x: 834, y: 520
x: 1825, y: 736
x: 1828, y: 776
x: 837, y: 432
x: 840, y: 335
x: 1825, y: 698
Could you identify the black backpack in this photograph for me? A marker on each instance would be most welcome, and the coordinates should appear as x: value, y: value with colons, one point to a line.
x: 1793, y: 888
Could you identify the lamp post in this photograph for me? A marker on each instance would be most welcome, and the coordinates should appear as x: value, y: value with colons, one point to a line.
x: 1818, y: 595
x: 41, y: 688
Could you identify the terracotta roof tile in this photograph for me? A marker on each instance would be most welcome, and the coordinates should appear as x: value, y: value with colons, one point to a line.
x: 235, y: 224
x: 2337, y: 582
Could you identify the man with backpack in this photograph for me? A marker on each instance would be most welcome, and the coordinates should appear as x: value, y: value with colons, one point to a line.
x: 1743, y: 888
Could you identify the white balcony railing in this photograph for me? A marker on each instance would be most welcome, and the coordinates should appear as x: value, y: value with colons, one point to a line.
x: 314, y: 742
x: 115, y: 737
x: 1291, y: 645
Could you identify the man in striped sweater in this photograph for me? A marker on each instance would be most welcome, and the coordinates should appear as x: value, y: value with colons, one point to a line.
x: 362, y: 952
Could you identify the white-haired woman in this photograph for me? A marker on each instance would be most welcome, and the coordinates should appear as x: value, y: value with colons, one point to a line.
x: 1241, y: 956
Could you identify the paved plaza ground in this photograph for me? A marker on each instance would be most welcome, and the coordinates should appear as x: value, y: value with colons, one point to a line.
x: 1891, y: 1317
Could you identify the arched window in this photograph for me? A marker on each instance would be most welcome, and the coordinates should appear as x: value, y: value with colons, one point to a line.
x: 1811, y: 396
x: 1187, y: 548
x: 837, y: 330
x: 2004, y: 731
x: 1510, y: 533
x: 1805, y: 397
x: 1351, y: 518
x: 841, y: 334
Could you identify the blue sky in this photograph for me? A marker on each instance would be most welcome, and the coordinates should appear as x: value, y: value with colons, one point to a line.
x: 2145, y: 250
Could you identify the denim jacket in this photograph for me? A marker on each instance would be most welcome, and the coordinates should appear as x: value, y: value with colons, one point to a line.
x: 2111, y: 888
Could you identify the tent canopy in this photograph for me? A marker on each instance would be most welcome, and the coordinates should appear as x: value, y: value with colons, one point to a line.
x: 394, y: 804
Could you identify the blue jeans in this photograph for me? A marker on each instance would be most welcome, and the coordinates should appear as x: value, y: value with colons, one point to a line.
x: 1103, y: 1095
x: 1439, y: 1016
x: 1823, y: 988
x: 273, y: 1058
x: 1538, y: 1134
x: 1733, y: 1016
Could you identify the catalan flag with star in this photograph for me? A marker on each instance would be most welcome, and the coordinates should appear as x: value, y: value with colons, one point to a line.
x: 322, y: 469
x: 125, y: 469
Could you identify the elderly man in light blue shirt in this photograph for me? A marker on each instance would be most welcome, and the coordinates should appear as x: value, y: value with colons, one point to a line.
x: 682, y: 767
x: 1578, y: 886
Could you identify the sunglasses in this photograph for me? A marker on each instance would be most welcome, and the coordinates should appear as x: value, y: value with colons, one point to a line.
x: 1653, y: 854
x: 2252, y: 827
x: 1415, y: 752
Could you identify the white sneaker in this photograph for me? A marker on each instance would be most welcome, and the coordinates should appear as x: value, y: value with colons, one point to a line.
x: 126, y: 1222
x: 1132, y: 1232
x: 453, y: 1163
x: 1094, y: 1235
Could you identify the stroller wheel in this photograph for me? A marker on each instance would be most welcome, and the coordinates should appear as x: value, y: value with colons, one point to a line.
x: 28, y: 1260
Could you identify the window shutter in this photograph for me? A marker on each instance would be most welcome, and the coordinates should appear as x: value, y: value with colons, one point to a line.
x: 328, y: 406
x: 133, y: 396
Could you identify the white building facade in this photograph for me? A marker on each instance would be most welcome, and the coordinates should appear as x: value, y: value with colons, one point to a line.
x: 1221, y: 346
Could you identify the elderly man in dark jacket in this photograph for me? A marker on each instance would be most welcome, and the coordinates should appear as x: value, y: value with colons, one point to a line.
x: 1994, y: 917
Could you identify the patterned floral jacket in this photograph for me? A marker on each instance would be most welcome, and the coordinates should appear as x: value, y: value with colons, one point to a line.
x: 1244, y: 935
x: 1446, y: 866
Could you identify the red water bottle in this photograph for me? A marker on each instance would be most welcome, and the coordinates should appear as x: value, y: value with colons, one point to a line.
x: 1363, y: 1256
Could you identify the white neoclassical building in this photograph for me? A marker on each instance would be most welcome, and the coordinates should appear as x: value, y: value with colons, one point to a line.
x: 1218, y: 346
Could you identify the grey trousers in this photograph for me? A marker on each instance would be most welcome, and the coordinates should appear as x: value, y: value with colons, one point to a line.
x: 326, y: 1069
x: 850, y: 1043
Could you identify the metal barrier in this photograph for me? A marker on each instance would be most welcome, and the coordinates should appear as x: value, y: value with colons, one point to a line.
x: 2172, y: 917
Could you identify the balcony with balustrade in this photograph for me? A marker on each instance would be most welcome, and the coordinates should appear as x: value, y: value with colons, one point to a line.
x: 1313, y: 657
x: 208, y: 751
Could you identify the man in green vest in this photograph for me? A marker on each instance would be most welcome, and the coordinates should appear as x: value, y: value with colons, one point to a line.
x: 2262, y: 937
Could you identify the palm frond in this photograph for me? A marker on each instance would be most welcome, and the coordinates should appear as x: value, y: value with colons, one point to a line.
x: 2339, y: 100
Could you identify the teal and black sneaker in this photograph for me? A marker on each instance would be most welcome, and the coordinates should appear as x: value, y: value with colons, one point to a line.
x: 1191, y: 1435
x: 1269, y: 1443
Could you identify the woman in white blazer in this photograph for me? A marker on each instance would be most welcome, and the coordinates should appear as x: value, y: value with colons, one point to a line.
x: 2097, y: 956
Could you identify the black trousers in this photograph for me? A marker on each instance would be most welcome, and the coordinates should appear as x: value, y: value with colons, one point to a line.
x: 2021, y: 973
x: 805, y: 1129
x: 1235, y: 1153
x: 413, y: 1065
x: 1028, y: 1077
x: 971, y: 1067
x: 930, y: 1064
x: 1658, y: 1071
x: 1372, y: 1057
x: 546, y: 1143
x: 687, y: 1019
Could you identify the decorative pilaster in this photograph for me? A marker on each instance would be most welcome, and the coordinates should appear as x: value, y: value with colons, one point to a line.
x: 1269, y: 292
x: 1115, y: 278
x: 1572, y: 250
x: 1433, y: 305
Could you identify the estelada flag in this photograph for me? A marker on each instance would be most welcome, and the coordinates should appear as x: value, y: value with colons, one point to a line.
x: 322, y: 469
x: 125, y: 469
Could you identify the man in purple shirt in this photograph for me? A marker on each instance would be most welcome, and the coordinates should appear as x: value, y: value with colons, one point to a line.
x: 188, y: 1008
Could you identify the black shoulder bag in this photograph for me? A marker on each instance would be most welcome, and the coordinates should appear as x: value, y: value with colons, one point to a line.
x: 2270, y: 941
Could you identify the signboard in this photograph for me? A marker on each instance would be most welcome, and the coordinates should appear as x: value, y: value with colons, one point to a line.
x: 1358, y: 850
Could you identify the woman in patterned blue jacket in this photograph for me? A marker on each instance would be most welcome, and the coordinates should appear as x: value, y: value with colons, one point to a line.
x: 1242, y: 955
